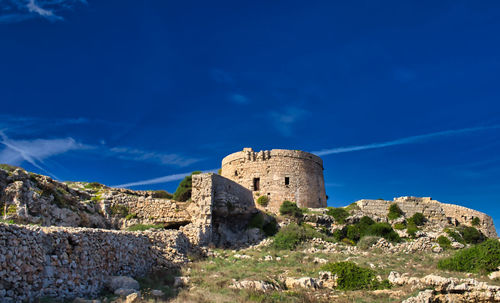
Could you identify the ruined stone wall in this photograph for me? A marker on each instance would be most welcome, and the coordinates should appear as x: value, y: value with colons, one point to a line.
x: 304, y: 171
x: 64, y: 262
x: 434, y: 211
x: 219, y: 208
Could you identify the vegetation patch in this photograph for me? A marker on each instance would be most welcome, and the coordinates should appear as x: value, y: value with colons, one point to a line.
x: 119, y: 210
x: 444, y: 242
x: 263, y: 201
x: 8, y: 168
x: 471, y: 235
x: 481, y: 258
x: 394, y: 212
x: 289, y: 208
x: 94, y: 186
x: 143, y: 227
x: 162, y: 194
x: 338, y: 213
x: 399, y: 226
x: 367, y: 242
x: 185, y: 188
x: 366, y: 227
x: 476, y: 221
x: 290, y: 236
x: 353, y: 277
x: 258, y: 220
x: 131, y: 216
x: 417, y: 219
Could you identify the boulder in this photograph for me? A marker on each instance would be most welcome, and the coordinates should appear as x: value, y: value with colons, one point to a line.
x: 124, y: 282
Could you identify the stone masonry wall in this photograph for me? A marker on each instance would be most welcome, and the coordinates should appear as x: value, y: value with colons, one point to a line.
x: 64, y: 262
x: 214, y: 198
x: 434, y: 211
x: 304, y: 172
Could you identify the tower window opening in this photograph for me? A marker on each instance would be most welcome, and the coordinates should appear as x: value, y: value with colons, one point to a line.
x: 256, y: 184
x: 235, y: 173
x: 287, y: 181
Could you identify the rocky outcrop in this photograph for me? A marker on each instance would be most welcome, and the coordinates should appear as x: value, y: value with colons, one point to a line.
x: 447, y: 290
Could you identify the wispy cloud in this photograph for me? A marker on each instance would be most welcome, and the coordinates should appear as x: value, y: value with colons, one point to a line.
x: 12, y: 11
x: 285, y: 120
x: 238, y: 99
x: 35, y: 151
x: 402, y: 141
x: 127, y: 153
x: 164, y: 179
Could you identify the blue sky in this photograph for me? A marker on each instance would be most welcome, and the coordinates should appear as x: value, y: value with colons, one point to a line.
x: 398, y: 97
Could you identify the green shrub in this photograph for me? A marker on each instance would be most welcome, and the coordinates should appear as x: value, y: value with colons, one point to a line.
x: 289, y: 237
x: 93, y: 185
x: 162, y: 194
x: 143, y: 227
x: 455, y: 236
x: 352, y: 277
x: 338, y: 213
x: 131, y: 216
x: 348, y: 242
x: 367, y: 242
x: 394, y: 212
x: 476, y: 221
x: 257, y: 221
x: 411, y: 229
x: 444, y: 242
x: 183, y: 192
x: 399, y: 226
x: 118, y: 210
x: 471, y: 235
x: 480, y: 258
x: 270, y: 228
x: 263, y: 201
x: 290, y: 209
x: 383, y: 230
x: 418, y: 219
x: 352, y: 207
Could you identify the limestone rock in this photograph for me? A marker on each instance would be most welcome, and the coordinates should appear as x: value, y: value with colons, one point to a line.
x: 122, y: 282
x: 304, y: 282
x: 254, y: 285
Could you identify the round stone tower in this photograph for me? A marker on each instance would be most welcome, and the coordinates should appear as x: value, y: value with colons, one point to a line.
x: 280, y: 175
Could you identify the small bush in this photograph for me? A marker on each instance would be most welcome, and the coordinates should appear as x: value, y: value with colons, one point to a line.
x: 289, y: 237
x: 471, y: 235
x: 367, y: 242
x: 399, y: 226
x: 352, y: 277
x: 162, y: 194
x: 418, y: 219
x: 412, y: 230
x: 383, y: 230
x: 263, y: 201
x: 93, y: 185
x: 290, y: 209
x: 480, y: 258
x: 394, y: 212
x: 119, y: 210
x: 143, y: 227
x: 131, y: 216
x: 338, y: 213
x: 270, y: 228
x: 444, y: 242
x: 257, y: 221
x: 348, y: 242
x: 455, y: 236
x: 184, y: 190
x: 476, y: 221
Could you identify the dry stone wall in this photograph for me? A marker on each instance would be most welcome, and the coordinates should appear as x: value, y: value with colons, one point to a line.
x: 434, y: 211
x: 280, y: 175
x: 220, y: 210
x: 62, y: 262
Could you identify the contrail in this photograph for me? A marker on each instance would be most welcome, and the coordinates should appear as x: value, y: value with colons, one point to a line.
x: 402, y: 141
x: 163, y: 179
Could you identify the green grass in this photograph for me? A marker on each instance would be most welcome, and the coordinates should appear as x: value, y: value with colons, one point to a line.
x: 444, y: 242
x: 484, y: 257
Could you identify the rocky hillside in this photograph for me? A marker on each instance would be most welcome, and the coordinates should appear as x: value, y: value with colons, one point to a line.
x: 406, y: 250
x: 30, y: 198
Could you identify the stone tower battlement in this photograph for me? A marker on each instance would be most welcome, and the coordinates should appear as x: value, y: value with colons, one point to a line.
x: 280, y: 175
